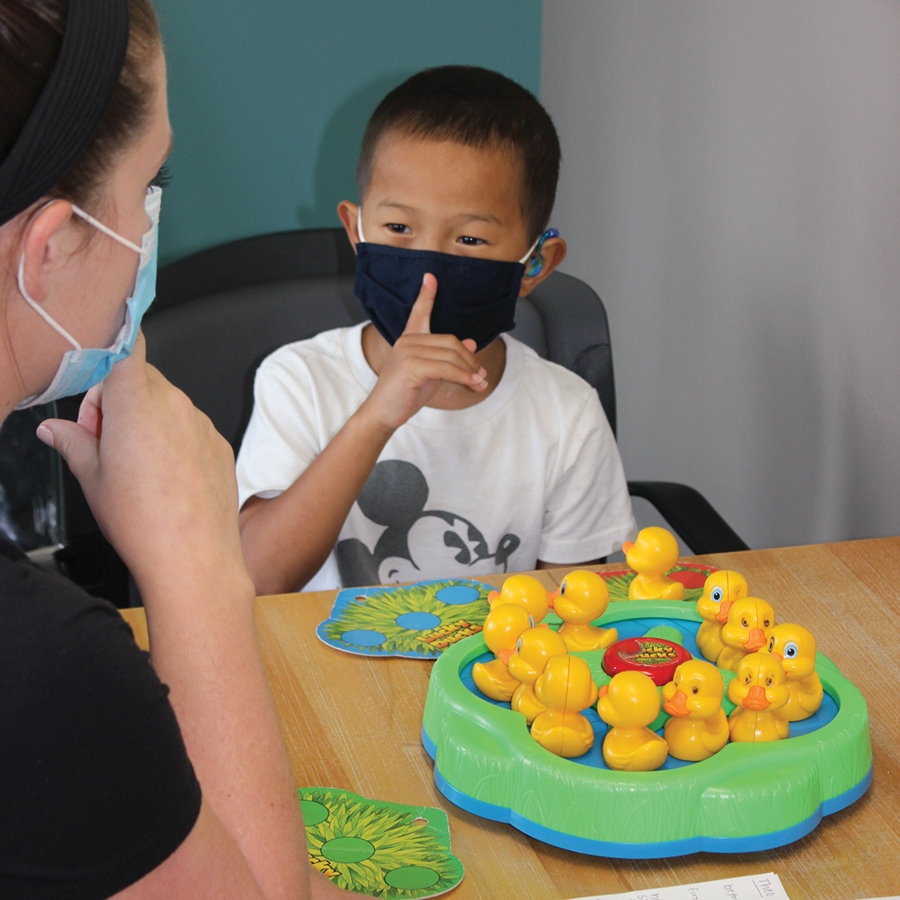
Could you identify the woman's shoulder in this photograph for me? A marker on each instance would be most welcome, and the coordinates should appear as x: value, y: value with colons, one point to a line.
x: 40, y: 608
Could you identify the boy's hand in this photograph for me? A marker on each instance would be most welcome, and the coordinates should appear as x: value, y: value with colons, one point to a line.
x: 418, y: 363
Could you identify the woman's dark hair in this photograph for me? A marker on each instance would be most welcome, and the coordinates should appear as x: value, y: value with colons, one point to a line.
x: 478, y: 108
x: 31, y: 34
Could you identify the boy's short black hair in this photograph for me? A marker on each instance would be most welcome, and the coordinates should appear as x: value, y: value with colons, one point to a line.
x: 478, y: 108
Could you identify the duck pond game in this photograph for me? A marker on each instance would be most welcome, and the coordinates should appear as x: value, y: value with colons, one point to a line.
x: 605, y: 720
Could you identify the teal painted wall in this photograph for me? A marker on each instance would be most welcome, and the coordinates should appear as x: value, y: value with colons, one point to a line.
x: 269, y: 99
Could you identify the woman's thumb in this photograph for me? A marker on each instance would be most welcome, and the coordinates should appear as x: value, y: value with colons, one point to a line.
x: 76, y: 445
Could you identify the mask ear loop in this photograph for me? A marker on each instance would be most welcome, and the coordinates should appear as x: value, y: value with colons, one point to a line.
x: 40, y: 309
x: 106, y: 230
x: 359, y: 233
x: 20, y: 275
x: 535, y: 262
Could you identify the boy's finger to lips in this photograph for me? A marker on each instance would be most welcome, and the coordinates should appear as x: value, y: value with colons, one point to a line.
x: 420, y: 316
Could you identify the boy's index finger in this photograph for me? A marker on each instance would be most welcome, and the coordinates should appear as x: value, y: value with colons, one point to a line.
x: 419, y: 321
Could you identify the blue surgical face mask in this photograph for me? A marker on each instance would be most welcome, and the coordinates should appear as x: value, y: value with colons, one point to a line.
x: 81, y: 368
x: 476, y: 298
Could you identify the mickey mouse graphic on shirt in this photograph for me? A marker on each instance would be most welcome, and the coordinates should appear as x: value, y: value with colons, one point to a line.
x: 394, y: 496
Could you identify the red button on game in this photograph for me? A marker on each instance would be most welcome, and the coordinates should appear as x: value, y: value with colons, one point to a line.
x: 654, y: 657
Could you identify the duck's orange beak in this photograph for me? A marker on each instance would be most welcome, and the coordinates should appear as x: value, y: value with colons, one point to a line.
x: 504, y: 654
x: 722, y: 614
x: 677, y: 705
x: 778, y: 656
x: 627, y: 546
x: 756, y: 699
x: 756, y: 640
x: 602, y: 691
x: 551, y: 598
x: 492, y: 596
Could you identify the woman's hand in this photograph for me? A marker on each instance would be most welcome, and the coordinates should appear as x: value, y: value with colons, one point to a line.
x: 158, y: 477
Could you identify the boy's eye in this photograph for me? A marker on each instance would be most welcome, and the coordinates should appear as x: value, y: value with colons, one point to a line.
x: 397, y: 228
x: 470, y: 241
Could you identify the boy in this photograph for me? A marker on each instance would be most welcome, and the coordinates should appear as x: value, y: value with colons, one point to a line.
x: 390, y: 453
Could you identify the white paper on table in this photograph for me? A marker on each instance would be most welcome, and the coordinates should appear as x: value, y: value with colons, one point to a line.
x: 746, y: 887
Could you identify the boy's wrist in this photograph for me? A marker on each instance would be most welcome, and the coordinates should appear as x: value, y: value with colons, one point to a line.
x: 369, y: 426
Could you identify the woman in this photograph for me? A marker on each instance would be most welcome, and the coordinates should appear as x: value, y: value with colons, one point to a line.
x: 99, y: 792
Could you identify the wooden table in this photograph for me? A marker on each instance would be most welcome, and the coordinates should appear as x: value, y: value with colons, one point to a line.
x: 354, y: 723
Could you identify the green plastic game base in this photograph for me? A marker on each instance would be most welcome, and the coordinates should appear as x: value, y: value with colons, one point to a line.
x: 747, y: 797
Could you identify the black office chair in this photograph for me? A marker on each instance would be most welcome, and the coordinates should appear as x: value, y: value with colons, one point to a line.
x: 221, y: 311
x: 43, y: 510
x: 30, y: 478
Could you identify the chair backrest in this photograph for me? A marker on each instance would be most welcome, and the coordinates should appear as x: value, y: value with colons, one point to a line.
x: 220, y: 312
x: 30, y: 477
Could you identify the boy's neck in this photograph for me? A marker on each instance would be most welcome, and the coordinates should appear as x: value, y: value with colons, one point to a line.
x: 449, y: 396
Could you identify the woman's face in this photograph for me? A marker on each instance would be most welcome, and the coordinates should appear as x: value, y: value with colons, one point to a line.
x: 87, y: 274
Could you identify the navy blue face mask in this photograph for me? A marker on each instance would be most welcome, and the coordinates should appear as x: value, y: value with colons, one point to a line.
x: 476, y: 298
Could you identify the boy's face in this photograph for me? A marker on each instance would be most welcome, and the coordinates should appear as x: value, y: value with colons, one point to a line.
x: 444, y: 196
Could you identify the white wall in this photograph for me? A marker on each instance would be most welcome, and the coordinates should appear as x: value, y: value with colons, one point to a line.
x: 731, y: 189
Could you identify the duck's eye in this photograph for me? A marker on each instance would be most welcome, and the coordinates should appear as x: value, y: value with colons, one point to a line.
x: 745, y: 623
x: 399, y: 228
x: 530, y: 621
x: 767, y: 623
x: 519, y: 645
x: 771, y: 644
x: 768, y: 681
x: 562, y: 589
x: 748, y: 678
x: 717, y: 594
x: 695, y: 689
x: 790, y: 650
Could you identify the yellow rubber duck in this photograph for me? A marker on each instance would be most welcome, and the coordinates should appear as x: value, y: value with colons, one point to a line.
x: 746, y: 630
x: 720, y: 592
x: 523, y: 590
x: 795, y: 648
x: 652, y: 555
x: 759, y: 692
x: 533, y: 650
x: 583, y: 597
x: 629, y: 703
x: 502, y: 629
x: 698, y: 727
x: 565, y: 688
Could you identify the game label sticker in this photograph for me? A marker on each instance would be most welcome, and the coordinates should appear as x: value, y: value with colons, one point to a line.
x: 654, y: 657
x: 419, y: 620
x: 378, y: 848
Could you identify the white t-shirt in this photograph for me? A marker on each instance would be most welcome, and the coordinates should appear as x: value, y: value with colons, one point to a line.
x: 531, y: 472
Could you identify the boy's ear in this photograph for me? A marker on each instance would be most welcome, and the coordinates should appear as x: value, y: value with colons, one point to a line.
x: 348, y: 212
x: 552, y: 254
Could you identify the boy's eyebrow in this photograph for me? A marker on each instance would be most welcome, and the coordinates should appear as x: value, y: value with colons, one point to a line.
x: 461, y: 219
x: 394, y: 205
x: 479, y: 217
